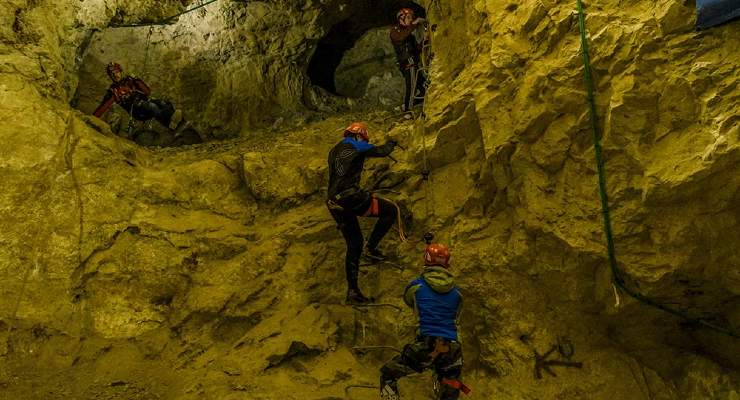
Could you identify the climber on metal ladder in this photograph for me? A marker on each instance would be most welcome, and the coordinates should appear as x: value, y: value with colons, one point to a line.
x: 346, y: 201
x: 437, y: 301
x: 408, y: 56
x: 132, y: 94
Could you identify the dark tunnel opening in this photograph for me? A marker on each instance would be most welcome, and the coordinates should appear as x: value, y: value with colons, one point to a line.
x: 366, y: 15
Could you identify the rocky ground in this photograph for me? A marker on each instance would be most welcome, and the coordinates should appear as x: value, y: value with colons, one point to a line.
x: 214, y: 270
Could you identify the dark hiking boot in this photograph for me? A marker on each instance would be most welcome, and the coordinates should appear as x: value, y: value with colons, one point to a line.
x: 175, y: 119
x: 374, y: 255
x: 355, y: 297
x: 184, y: 125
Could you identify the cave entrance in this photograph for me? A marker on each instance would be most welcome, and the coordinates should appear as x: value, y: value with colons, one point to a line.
x: 357, y: 49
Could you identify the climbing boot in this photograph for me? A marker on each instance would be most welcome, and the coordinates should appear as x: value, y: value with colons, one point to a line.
x: 355, y: 297
x: 389, y: 390
x: 184, y: 125
x: 175, y: 119
x: 374, y: 255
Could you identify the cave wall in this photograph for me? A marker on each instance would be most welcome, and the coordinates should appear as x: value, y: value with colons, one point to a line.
x: 670, y: 142
x: 236, y: 66
x: 231, y: 66
x: 203, y: 272
x: 369, y: 71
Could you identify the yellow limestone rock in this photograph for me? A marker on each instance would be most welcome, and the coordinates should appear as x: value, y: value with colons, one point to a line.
x: 215, y: 271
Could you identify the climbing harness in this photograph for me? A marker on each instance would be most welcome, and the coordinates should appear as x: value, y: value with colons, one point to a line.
x: 333, y: 205
x: 617, y: 278
x: 165, y: 21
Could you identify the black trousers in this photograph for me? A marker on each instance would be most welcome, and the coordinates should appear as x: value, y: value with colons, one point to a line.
x: 161, y: 110
x: 416, y: 358
x: 350, y: 228
x: 409, y: 95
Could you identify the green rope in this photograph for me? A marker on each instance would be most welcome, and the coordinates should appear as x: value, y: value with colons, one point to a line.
x: 617, y: 278
x: 167, y: 20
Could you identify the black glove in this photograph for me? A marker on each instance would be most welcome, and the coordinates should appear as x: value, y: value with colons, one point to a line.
x: 392, y: 143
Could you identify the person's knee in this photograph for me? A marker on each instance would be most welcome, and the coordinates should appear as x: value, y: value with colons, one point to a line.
x: 162, y: 104
x: 388, y: 210
x: 386, y: 373
x: 389, y: 217
x: 447, y: 392
x: 395, y: 369
x: 416, y: 357
x: 447, y: 376
x: 150, y: 106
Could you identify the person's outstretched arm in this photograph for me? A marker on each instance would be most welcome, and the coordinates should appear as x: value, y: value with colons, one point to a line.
x: 370, y: 150
x: 382, y: 151
x: 105, y: 105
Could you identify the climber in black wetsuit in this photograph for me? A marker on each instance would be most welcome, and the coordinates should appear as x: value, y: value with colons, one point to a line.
x: 408, y: 54
x: 346, y: 201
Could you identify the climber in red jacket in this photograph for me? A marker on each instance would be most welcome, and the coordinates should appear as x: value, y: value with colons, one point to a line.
x: 408, y: 54
x: 133, y: 95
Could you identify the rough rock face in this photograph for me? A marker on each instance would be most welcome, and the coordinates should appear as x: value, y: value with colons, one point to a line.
x: 369, y: 71
x: 216, y: 272
x: 234, y: 66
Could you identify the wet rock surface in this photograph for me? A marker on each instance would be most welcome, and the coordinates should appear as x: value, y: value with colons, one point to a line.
x: 215, y: 270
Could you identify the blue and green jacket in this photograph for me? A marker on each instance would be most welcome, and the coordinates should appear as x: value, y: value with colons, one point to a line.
x: 437, y: 302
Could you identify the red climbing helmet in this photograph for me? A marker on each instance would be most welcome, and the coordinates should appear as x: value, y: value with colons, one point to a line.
x: 404, y: 11
x: 437, y: 254
x: 113, y: 67
x: 357, y: 129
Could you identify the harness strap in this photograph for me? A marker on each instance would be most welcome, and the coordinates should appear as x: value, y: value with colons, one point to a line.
x: 334, y: 206
x: 374, y: 209
x: 457, y: 385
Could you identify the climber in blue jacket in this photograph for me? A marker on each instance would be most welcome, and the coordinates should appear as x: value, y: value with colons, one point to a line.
x: 437, y: 302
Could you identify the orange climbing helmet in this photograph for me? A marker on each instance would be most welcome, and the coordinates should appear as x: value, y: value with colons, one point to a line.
x: 437, y: 254
x: 113, y: 67
x: 405, y: 11
x: 357, y: 129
